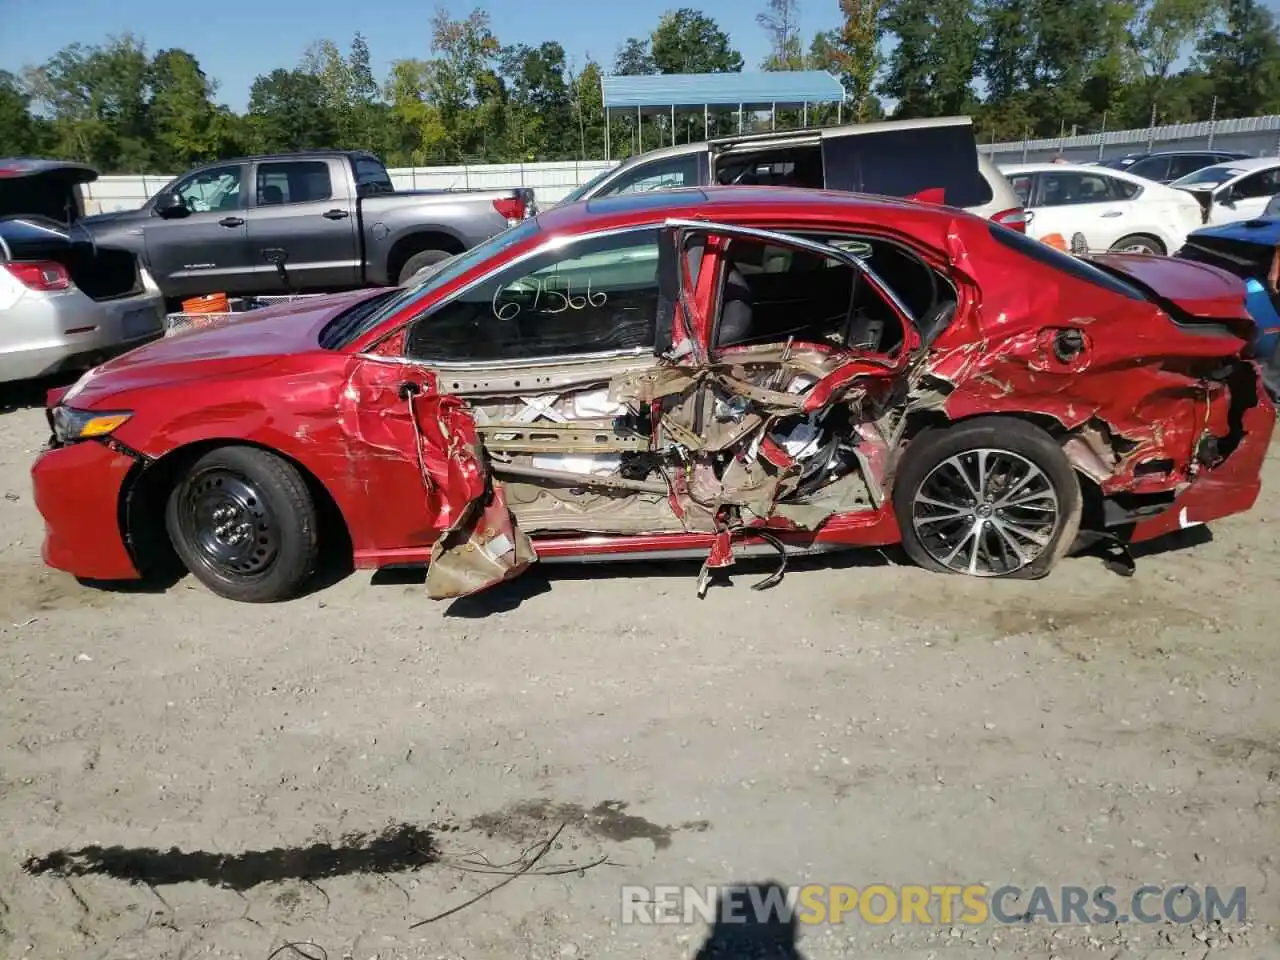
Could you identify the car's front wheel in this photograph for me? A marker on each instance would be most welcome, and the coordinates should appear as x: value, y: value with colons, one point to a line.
x: 989, y: 497
x: 244, y: 523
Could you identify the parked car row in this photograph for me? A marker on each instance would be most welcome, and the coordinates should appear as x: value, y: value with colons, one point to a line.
x: 717, y: 351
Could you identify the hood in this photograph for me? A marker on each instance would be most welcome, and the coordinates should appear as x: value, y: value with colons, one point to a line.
x: 231, y: 347
x: 1197, y: 289
x: 1264, y: 231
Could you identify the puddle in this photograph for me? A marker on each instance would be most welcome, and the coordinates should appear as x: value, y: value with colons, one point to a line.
x: 394, y: 850
x: 607, y: 820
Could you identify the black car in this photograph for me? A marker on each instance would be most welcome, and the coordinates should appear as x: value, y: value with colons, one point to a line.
x: 1165, y: 166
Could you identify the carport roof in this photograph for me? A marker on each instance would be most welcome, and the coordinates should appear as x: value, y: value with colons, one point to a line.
x: 760, y: 90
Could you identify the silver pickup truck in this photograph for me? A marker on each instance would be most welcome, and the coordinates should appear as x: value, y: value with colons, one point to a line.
x: 299, y: 223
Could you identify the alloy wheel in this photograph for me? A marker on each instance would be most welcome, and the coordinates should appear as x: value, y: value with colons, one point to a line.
x: 985, y: 512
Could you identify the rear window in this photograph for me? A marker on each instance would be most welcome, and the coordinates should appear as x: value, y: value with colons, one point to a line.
x: 1050, y: 257
x: 899, y: 163
x: 372, y: 177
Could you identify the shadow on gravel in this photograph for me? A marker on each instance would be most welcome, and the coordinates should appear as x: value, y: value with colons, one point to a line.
x: 751, y: 922
x: 395, y: 849
x: 30, y: 394
x: 542, y: 577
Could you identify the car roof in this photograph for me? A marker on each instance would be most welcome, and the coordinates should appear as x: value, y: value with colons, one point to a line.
x: 620, y: 210
x: 1013, y: 169
x: 1245, y: 164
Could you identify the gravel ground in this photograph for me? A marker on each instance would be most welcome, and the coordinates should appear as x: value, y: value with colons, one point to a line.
x: 862, y: 722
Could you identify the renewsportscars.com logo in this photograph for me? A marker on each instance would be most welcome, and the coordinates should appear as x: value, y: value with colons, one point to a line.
x: 971, y: 904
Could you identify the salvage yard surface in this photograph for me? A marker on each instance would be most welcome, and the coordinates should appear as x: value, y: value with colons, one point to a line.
x: 862, y: 722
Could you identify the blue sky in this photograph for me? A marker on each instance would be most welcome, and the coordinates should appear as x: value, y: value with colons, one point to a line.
x: 235, y: 40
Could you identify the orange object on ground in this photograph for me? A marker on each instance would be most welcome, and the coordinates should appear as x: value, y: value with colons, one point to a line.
x: 1055, y: 240
x: 210, y: 303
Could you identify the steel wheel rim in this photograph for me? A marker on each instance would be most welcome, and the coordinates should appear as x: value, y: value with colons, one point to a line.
x: 985, y: 512
x: 229, y: 524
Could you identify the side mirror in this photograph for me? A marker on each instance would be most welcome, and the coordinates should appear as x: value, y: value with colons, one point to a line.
x: 170, y: 206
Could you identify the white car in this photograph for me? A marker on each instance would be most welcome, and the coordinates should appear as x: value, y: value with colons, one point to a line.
x: 1111, y: 209
x: 1235, y: 190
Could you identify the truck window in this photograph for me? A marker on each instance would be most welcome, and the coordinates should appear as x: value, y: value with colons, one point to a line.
x: 665, y: 174
x: 293, y: 181
x: 372, y: 177
x: 208, y: 190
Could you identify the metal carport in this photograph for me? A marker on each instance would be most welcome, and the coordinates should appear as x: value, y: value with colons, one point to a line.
x: 764, y: 90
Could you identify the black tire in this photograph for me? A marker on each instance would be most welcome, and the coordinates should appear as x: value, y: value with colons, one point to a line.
x: 1138, y: 243
x: 233, y: 492
x: 419, y: 261
x: 932, y: 535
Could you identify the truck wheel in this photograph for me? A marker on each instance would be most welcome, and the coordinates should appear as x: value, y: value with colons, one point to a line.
x: 989, y: 497
x: 420, y: 261
x: 243, y: 522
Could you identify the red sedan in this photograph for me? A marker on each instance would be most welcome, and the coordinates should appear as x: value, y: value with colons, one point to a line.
x: 689, y: 373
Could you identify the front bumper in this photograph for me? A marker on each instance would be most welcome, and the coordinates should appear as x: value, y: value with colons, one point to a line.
x: 1229, y: 488
x: 47, y: 333
x: 77, y: 491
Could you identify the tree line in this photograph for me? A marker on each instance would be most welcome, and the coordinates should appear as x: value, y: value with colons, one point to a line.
x: 1038, y: 68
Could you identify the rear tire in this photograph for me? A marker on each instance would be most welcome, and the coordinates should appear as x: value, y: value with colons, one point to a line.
x: 992, y: 497
x: 244, y: 523
x: 1138, y: 243
x: 420, y: 261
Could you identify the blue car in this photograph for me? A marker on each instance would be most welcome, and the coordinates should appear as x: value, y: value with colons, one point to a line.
x: 1251, y: 250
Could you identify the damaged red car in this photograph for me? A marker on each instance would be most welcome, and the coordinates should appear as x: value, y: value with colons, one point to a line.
x: 708, y: 372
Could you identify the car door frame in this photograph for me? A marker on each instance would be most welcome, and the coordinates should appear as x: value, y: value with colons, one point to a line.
x: 327, y: 231
x: 222, y: 230
x: 708, y: 321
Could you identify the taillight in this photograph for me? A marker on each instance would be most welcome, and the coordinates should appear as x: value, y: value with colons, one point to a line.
x: 512, y: 208
x: 1015, y: 219
x: 40, y: 275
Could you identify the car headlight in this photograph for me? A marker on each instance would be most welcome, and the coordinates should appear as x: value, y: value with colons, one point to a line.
x: 70, y: 424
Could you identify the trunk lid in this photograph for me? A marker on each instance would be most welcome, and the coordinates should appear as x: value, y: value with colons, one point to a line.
x: 45, y: 188
x: 1197, y: 289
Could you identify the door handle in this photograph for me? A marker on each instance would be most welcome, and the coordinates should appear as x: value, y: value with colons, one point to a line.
x: 1114, y: 213
x: 231, y: 222
x: 335, y: 214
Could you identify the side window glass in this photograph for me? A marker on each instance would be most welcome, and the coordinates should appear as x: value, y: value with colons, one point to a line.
x: 1121, y: 189
x: 300, y: 181
x: 800, y: 295
x: 211, y: 190
x: 1061, y: 189
x: 1021, y: 183
x: 594, y: 296
x: 659, y: 175
x: 1184, y: 165
x: 1153, y: 168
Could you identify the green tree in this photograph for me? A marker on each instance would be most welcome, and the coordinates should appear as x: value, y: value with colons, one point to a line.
x: 1242, y: 59
x: 687, y: 41
x: 418, y: 135
x: 288, y: 112
x: 932, y: 68
x: 187, y: 126
x: 20, y: 131
x: 350, y: 91
x: 541, y: 118
x: 781, y: 21
x: 852, y: 52
x: 634, y: 58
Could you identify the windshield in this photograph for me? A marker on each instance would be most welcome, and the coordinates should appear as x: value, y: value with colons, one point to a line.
x: 347, y: 327
x: 587, y: 187
x: 1208, y: 177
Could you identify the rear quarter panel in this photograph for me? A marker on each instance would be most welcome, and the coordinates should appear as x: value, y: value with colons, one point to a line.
x: 465, y: 219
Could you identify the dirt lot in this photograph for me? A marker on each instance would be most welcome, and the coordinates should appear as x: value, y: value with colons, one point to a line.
x: 862, y: 722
